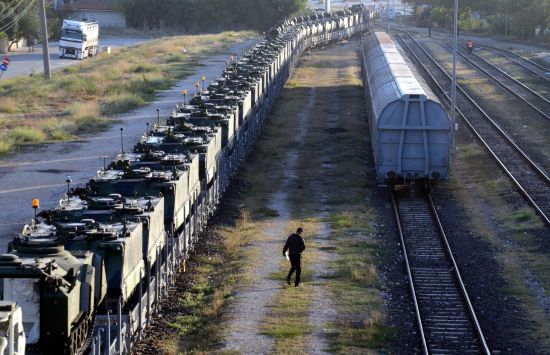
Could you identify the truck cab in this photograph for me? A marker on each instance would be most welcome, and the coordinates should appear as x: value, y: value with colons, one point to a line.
x: 79, y: 39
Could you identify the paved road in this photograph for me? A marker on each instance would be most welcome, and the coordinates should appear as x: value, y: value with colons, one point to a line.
x: 24, y: 62
x: 40, y: 171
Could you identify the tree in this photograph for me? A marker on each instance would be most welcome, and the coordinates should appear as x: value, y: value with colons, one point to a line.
x: 209, y: 15
x: 19, y: 20
x: 522, y: 18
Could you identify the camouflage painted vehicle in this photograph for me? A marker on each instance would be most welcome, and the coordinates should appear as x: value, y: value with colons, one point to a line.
x: 58, y: 290
x: 154, y: 173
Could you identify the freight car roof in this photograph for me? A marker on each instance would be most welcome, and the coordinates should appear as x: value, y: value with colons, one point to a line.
x: 390, y: 75
x: 404, y: 78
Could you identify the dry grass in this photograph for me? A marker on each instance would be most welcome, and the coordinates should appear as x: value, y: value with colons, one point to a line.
x: 8, y: 105
x: 102, y: 86
x: 214, y: 280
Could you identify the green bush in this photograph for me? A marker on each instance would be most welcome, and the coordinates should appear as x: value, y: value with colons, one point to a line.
x: 27, y: 135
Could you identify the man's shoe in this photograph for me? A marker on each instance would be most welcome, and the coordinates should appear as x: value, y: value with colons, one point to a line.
x: 297, y: 285
x: 288, y: 281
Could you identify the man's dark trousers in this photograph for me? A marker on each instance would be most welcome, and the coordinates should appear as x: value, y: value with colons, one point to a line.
x: 296, y: 265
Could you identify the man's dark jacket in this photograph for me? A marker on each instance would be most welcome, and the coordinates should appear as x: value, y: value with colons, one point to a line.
x: 294, y: 244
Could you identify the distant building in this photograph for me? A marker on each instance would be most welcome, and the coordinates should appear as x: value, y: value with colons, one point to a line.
x: 101, y: 11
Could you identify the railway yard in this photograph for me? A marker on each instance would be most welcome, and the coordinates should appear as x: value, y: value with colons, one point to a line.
x: 393, y: 264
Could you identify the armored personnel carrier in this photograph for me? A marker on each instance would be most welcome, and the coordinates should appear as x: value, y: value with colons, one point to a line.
x: 58, y: 290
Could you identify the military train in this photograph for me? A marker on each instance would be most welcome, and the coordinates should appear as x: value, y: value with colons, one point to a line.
x: 91, y: 273
x: 410, y: 129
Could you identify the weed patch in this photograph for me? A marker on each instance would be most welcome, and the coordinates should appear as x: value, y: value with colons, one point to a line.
x: 6, y: 145
x: 288, y: 319
x: 267, y: 212
x: 214, y: 279
x: 522, y: 220
x: 352, y: 220
x: 27, y: 135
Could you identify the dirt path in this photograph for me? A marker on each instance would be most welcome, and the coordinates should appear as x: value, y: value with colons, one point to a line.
x: 309, y: 123
x: 248, y: 311
x: 322, y: 308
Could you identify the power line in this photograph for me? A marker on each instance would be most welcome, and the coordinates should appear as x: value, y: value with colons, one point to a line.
x: 14, y: 20
x: 9, y: 11
x: 19, y: 16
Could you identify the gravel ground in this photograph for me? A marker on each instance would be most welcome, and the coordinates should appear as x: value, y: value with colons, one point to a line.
x: 398, y: 299
x: 501, y: 317
x: 528, y: 129
x: 529, y: 49
x: 245, y: 315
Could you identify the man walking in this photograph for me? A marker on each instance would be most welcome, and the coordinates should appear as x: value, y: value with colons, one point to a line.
x: 295, y: 246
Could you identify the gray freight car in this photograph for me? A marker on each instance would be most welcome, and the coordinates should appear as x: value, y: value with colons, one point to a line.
x: 410, y: 129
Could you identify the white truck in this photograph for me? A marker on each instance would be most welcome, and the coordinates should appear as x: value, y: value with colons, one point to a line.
x: 79, y: 39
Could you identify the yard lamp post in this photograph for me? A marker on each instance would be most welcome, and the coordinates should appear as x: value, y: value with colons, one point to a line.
x: 453, y: 84
x: 68, y: 180
x: 121, y: 141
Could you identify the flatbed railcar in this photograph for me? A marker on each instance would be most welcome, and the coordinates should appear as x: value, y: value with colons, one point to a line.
x: 107, y: 254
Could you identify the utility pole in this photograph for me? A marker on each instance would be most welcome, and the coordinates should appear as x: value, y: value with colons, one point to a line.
x: 45, y: 49
x: 327, y: 5
x: 453, y: 84
x: 388, y: 16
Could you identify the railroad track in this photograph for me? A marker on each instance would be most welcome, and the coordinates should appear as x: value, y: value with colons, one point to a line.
x: 529, y: 65
x: 527, y: 95
x: 532, y: 182
x: 445, y: 316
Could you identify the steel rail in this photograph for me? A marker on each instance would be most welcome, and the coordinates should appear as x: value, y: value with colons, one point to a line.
x: 429, y: 338
x: 501, y: 51
x: 510, y: 54
x: 544, y: 113
x: 409, y: 276
x: 470, y: 307
x: 522, y: 155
